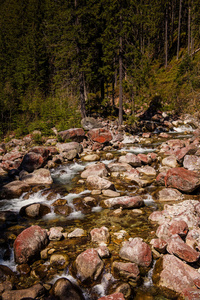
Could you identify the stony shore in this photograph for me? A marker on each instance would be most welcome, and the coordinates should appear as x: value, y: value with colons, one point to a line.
x: 113, y: 259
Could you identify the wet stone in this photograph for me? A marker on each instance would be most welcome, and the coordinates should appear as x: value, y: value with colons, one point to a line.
x: 169, y: 194
x: 55, y: 234
x: 137, y: 251
x: 59, y: 260
x: 78, y: 232
x: 89, y: 265
x: 129, y: 271
x: 100, y: 235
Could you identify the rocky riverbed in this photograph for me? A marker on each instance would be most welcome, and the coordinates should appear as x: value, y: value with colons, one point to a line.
x: 96, y: 213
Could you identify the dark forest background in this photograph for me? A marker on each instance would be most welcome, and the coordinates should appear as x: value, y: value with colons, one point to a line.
x: 62, y: 60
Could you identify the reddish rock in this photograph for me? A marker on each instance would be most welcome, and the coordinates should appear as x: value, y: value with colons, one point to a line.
x: 75, y: 134
x: 136, y: 251
x: 89, y: 265
x: 99, y: 135
x: 52, y: 150
x: 119, y: 167
x: 131, y: 159
x: 95, y: 169
x: 100, y: 235
x: 40, y: 150
x: 182, y: 179
x: 40, y: 176
x: 159, y: 244
x: 176, y: 143
x: 191, y: 162
x: 160, y: 179
x: 128, y: 271
x: 32, y: 161
x: 170, y: 161
x: 169, y: 194
x: 124, y: 202
x: 179, y: 227
x: 162, y: 232
x: 153, y: 156
x: 191, y: 293
x: 176, y: 275
x: 29, y: 243
x: 193, y: 238
x: 164, y: 135
x: 97, y: 146
x: 180, y: 153
x: 146, y: 134
x: 177, y: 247
x: 157, y: 216
x: 67, y: 147
x: 9, y: 164
x: 115, y: 296
x: 99, y: 183
x: 147, y: 171
x: 145, y: 159
x: 13, y: 155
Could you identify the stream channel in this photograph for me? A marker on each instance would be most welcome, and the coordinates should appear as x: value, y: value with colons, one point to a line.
x: 68, y: 185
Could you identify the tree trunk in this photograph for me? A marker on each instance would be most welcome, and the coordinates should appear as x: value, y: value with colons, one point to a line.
x: 179, y: 29
x: 120, y: 83
x: 189, y: 29
x: 82, y: 95
x: 166, y: 37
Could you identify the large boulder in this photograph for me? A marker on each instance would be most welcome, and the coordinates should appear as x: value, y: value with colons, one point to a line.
x: 32, y: 161
x: 41, y: 176
x: 64, y: 289
x: 182, y: 179
x: 137, y: 251
x: 35, y: 158
x: 169, y: 194
x: 170, y: 161
x: 99, y: 183
x: 191, y: 162
x: 100, y: 235
x: 119, y: 167
x: 127, y: 271
x: 29, y: 243
x: 74, y: 134
x: 67, y: 147
x: 130, y: 158
x: 172, y: 273
x: 95, y: 169
x: 34, y: 210
x: 188, y: 150
x: 89, y: 265
x: 100, y: 135
x: 180, y: 249
x: 33, y: 292
x: 14, y: 189
x: 124, y: 202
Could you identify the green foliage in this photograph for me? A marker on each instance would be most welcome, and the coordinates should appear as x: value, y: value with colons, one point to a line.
x: 55, y: 54
x: 37, y: 138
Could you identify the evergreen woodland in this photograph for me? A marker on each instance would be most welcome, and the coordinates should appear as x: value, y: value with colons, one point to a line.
x: 62, y: 60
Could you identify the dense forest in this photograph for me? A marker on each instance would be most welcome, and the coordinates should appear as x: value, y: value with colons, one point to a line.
x: 62, y: 60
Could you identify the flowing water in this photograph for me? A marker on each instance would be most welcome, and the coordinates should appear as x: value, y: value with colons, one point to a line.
x: 68, y: 186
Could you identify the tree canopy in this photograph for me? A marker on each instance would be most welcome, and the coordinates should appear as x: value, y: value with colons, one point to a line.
x: 59, y: 59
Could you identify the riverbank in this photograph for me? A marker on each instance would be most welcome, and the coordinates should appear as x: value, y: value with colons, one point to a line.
x: 97, y: 211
